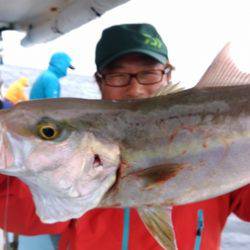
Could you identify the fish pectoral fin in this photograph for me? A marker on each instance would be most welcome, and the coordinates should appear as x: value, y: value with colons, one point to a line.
x: 158, y: 175
x: 159, y: 223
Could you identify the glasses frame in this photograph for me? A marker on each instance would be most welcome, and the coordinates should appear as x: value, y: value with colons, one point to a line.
x: 135, y: 75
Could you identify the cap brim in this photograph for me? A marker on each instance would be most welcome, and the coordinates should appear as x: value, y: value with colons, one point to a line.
x: 160, y: 58
x: 71, y: 67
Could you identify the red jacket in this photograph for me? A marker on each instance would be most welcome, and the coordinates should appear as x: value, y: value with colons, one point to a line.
x: 18, y: 210
x: 104, y: 228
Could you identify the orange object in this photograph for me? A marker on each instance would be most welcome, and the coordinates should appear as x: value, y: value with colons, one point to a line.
x: 16, y: 92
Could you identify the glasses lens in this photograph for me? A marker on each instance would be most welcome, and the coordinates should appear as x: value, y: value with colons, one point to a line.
x: 117, y: 80
x: 150, y: 77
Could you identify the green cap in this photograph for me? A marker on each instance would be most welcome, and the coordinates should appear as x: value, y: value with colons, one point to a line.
x: 122, y: 39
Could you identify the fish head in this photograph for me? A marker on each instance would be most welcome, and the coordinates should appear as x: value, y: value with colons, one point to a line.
x: 66, y: 167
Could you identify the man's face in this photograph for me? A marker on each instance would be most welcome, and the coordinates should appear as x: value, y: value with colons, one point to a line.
x: 132, y: 64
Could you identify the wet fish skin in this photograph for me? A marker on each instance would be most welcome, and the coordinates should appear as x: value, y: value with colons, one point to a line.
x: 202, y: 137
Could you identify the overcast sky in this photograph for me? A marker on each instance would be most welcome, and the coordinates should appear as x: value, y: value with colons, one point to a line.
x: 194, y: 32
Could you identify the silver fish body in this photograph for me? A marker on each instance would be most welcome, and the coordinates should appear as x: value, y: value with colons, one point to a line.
x: 167, y: 150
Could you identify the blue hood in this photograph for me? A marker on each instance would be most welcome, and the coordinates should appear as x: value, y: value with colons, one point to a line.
x: 59, y: 63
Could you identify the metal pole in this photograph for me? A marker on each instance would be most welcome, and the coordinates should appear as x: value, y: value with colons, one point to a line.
x: 1, y: 48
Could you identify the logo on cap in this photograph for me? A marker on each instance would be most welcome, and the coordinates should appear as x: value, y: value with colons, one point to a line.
x: 152, y: 41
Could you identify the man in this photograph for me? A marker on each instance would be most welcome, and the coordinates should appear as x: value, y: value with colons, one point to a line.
x: 47, y: 84
x: 132, y: 62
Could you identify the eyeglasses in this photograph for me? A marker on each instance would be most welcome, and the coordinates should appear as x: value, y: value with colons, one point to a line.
x: 149, y: 77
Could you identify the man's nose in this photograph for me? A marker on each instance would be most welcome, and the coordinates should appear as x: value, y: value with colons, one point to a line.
x: 135, y: 89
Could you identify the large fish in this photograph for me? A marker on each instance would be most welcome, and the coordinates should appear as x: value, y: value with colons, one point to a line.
x: 151, y: 154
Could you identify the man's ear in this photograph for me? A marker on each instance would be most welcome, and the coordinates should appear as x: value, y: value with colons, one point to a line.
x: 98, y: 79
x: 169, y: 74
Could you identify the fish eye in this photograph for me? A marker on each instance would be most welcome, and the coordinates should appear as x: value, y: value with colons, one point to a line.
x: 48, y: 131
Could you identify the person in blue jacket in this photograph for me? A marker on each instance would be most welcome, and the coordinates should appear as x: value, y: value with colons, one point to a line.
x: 47, y: 85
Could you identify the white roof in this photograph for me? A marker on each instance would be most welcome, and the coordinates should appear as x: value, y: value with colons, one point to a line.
x: 44, y: 20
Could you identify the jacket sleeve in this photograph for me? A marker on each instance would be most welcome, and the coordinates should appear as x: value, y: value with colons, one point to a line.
x: 240, y: 200
x: 17, y: 210
x: 52, y: 87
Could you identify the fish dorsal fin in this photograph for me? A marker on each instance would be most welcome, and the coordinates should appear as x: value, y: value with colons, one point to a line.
x: 159, y: 223
x: 169, y: 89
x: 223, y: 72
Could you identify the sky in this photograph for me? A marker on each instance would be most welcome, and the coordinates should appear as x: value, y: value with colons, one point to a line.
x: 193, y: 30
